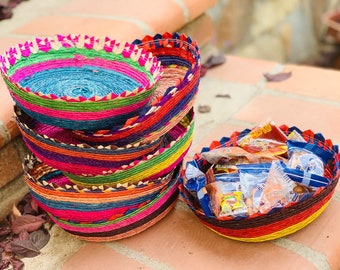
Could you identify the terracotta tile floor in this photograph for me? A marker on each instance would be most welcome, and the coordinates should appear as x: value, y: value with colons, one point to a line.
x: 180, y: 241
x: 309, y: 99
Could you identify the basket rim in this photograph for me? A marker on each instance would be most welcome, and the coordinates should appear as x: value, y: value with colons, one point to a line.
x: 29, y: 126
x: 174, y: 40
x: 81, y: 41
x: 31, y: 161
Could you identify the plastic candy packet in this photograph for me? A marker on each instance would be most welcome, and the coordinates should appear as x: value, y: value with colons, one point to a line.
x: 252, y: 179
x: 231, y: 181
x: 266, y: 138
x: 312, y: 181
x: 226, y: 197
x: 195, y: 182
x: 225, y: 168
x: 232, y: 204
x: 252, y: 175
x: 228, y: 157
x: 204, y: 200
x: 309, y: 158
x: 195, y: 179
x: 278, y: 190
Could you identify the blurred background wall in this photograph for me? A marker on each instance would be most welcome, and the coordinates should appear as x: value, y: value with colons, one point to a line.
x: 283, y: 31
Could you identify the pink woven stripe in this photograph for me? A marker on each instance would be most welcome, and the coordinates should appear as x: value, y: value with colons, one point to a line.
x: 87, y: 216
x: 125, y: 222
x: 81, y: 168
x: 120, y: 67
x: 87, y: 116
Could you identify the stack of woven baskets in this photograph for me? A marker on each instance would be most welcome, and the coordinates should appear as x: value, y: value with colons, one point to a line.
x: 108, y: 124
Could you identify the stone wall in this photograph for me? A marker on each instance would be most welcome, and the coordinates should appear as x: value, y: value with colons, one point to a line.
x: 284, y: 31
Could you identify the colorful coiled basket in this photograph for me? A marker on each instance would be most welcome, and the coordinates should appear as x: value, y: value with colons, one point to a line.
x: 100, y: 213
x: 275, y: 224
x: 174, y: 95
x: 79, y: 81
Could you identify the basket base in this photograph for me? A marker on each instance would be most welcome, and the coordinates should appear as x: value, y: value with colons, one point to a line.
x: 275, y: 235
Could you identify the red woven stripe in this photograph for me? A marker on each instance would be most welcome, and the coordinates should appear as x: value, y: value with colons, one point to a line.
x: 272, y: 227
x: 159, y: 114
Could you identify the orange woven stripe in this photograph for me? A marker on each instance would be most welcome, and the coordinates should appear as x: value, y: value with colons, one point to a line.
x: 89, y: 196
x: 63, y: 151
x: 171, y: 124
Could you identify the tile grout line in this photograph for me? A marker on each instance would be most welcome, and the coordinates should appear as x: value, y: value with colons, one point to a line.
x: 302, y: 97
x: 336, y: 196
x: 138, y: 256
x: 185, y: 10
x: 316, y: 258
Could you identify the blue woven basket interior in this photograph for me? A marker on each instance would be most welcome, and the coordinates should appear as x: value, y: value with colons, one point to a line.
x: 85, y: 81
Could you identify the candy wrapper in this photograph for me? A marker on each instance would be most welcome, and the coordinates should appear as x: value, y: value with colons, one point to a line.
x: 306, y: 163
x: 252, y: 179
x: 195, y: 178
x: 307, y: 157
x: 226, y: 197
x: 225, y: 159
x: 278, y: 190
x: 265, y: 139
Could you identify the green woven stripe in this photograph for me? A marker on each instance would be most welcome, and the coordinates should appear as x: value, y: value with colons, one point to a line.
x: 69, y: 53
x: 92, y: 106
x: 121, y: 175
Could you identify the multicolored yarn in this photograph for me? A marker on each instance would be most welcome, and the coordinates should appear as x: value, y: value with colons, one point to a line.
x: 105, y: 165
x: 58, y: 148
x: 101, y: 82
x: 283, y: 221
x: 174, y: 95
x: 100, y: 213
x: 151, y: 167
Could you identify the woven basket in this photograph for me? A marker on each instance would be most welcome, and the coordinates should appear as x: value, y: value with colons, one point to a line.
x: 100, y: 213
x: 80, y: 82
x: 275, y: 224
x: 88, y: 165
x: 56, y: 147
x: 172, y: 99
x: 176, y: 145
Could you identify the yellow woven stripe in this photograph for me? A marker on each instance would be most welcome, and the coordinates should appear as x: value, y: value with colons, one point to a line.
x: 150, y: 171
x: 284, y: 232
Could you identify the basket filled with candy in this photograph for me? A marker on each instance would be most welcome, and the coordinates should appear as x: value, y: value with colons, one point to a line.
x: 263, y: 183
